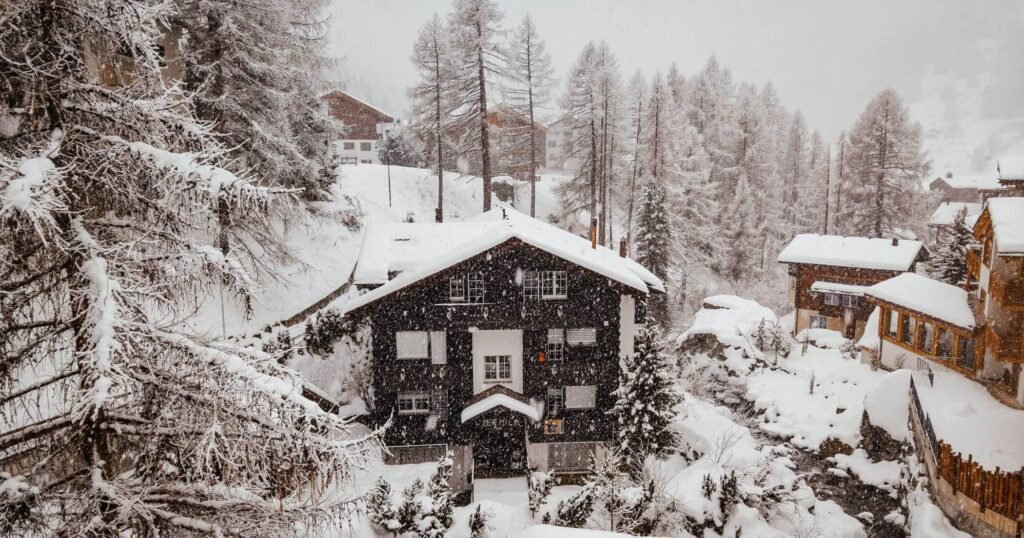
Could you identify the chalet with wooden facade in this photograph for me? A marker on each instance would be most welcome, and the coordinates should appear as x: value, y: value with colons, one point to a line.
x: 828, y: 275
x: 497, y: 338
x: 1010, y: 172
x: 367, y: 126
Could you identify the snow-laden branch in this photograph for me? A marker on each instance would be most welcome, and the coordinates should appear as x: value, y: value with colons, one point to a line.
x: 30, y: 189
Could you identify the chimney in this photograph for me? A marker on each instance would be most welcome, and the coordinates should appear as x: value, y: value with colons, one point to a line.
x: 593, y: 233
x: 895, y: 241
x: 622, y: 247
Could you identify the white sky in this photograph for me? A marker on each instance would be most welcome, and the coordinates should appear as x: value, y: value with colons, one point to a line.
x: 827, y: 58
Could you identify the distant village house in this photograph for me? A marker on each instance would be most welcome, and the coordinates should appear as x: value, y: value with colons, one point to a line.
x: 367, y: 127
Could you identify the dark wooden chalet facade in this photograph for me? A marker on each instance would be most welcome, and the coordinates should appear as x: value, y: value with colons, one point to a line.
x: 507, y: 356
x: 828, y: 275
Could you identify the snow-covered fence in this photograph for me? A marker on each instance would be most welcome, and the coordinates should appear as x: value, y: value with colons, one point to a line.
x: 998, y: 496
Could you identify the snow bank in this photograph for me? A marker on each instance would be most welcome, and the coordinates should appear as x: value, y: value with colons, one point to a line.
x: 729, y: 318
x: 883, y: 474
x: 552, y: 531
x: 887, y: 403
x: 870, y: 339
x: 930, y: 297
x: 863, y: 252
x: 823, y: 338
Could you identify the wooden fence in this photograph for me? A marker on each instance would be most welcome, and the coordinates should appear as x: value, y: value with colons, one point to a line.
x: 999, y: 491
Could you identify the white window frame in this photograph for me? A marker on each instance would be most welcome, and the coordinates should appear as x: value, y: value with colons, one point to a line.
x: 497, y: 368
x: 581, y: 337
x: 457, y: 289
x: 833, y: 299
x: 416, y: 403
x: 475, y: 287
x: 893, y: 330
x: 350, y: 146
x: 850, y: 301
x: 546, y: 285
x: 823, y: 321
x: 554, y: 350
x: 402, y: 352
x: 575, y: 393
x: 556, y: 394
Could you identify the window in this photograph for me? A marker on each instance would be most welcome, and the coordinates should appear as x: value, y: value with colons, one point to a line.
x: 850, y: 301
x: 580, y: 397
x: 439, y: 403
x: 555, y: 349
x: 545, y: 284
x: 927, y: 336
x: 475, y: 287
x: 581, y: 337
x: 349, y: 145
x: 457, y: 289
x: 945, y: 349
x: 965, y: 353
x: 907, y: 327
x: 556, y: 401
x: 832, y: 299
x: 893, y: 329
x: 413, y: 403
x: 412, y: 344
x: 819, y: 322
x: 365, y: 146
x: 498, y: 368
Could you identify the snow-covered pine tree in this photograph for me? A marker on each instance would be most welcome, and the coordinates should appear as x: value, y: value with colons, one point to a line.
x: 479, y: 522
x: 432, y: 95
x: 410, y: 511
x: 539, y: 489
x: 576, y: 510
x: 709, y: 109
x: 478, y: 60
x: 530, y: 75
x: 653, y: 243
x: 754, y: 162
x: 795, y: 198
x: 949, y: 262
x: 440, y: 492
x: 255, y: 72
x: 883, y: 167
x: 380, y: 508
x: 740, y: 238
x: 646, y: 399
x: 113, y: 410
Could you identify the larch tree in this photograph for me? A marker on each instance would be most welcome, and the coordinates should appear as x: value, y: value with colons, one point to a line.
x: 740, y: 242
x: 637, y: 96
x: 530, y: 72
x: 583, y: 112
x: 794, y: 174
x: 654, y: 243
x: 884, y: 165
x: 122, y: 420
x: 754, y: 161
x: 609, y: 90
x: 431, y: 96
x: 478, y: 60
x: 255, y: 72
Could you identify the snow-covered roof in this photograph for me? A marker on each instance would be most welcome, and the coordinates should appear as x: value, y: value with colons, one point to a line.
x: 946, y: 213
x: 985, y: 180
x: 835, y: 287
x: 411, y: 252
x: 360, y: 101
x: 1007, y: 216
x: 1011, y: 168
x: 930, y: 297
x: 503, y: 400
x: 860, y: 252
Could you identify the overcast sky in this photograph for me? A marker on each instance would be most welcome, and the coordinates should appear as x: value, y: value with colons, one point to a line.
x: 827, y: 58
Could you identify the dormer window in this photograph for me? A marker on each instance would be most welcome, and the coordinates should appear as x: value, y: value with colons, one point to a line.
x: 545, y: 284
x: 466, y: 288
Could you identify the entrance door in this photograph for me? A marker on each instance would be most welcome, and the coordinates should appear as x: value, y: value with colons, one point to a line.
x: 497, y: 360
x: 499, y: 449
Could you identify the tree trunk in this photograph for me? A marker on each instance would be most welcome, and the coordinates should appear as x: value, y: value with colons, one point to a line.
x: 533, y: 132
x: 880, y: 181
x: 632, y: 181
x: 440, y: 131
x: 485, y: 143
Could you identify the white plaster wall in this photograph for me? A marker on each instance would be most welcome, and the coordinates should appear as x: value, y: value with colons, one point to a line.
x: 497, y: 343
x: 627, y: 325
x: 358, y: 154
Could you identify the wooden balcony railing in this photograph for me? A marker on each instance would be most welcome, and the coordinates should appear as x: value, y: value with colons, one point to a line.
x: 1005, y: 347
x: 973, y: 263
x: 1009, y: 294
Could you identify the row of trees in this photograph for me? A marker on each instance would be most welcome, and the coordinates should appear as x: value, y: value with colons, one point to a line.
x: 133, y: 185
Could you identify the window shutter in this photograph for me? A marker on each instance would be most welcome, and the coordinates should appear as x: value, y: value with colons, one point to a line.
x: 438, y: 348
x: 580, y: 397
x: 411, y: 344
x: 581, y: 337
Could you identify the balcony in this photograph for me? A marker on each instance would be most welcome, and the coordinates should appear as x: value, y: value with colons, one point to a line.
x: 1005, y: 347
x: 1009, y: 294
x: 974, y: 263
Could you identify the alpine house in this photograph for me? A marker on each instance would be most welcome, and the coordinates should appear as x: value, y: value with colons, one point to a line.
x: 498, y: 338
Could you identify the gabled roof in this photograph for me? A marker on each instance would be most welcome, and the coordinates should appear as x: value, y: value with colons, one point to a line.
x: 858, y: 252
x: 1011, y: 168
x: 359, y: 101
x: 946, y: 213
x: 500, y: 399
x: 395, y: 256
x: 1007, y: 218
x: 932, y: 298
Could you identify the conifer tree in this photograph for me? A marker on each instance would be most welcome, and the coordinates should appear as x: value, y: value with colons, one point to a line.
x: 739, y: 237
x: 653, y: 243
x: 646, y: 399
x: 949, y: 262
x: 432, y: 96
x: 380, y: 508
x: 440, y: 492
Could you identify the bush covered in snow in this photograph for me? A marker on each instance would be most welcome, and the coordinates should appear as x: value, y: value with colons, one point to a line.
x: 425, y: 510
x: 540, y: 490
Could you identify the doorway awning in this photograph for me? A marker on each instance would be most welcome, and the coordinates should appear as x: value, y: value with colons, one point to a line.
x: 499, y: 396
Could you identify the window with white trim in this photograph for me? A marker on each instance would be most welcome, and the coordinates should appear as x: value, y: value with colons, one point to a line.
x: 555, y: 349
x: 819, y: 322
x: 850, y: 301
x: 581, y: 337
x: 466, y: 288
x: 498, y: 368
x: 350, y: 145
x: 555, y: 400
x: 894, y: 325
x: 832, y: 299
x: 545, y: 284
x: 412, y: 344
x: 413, y: 403
x: 580, y: 397
x: 457, y: 289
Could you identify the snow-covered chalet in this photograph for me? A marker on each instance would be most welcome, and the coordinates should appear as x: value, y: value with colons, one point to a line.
x: 497, y: 338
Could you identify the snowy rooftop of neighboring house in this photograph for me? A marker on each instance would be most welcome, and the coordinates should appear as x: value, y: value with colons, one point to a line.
x: 945, y: 213
x: 361, y: 101
x: 500, y: 400
x: 984, y: 180
x: 1011, y: 168
x: 1008, y: 224
x: 860, y: 252
x: 412, y: 251
x: 930, y: 297
x: 836, y: 287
